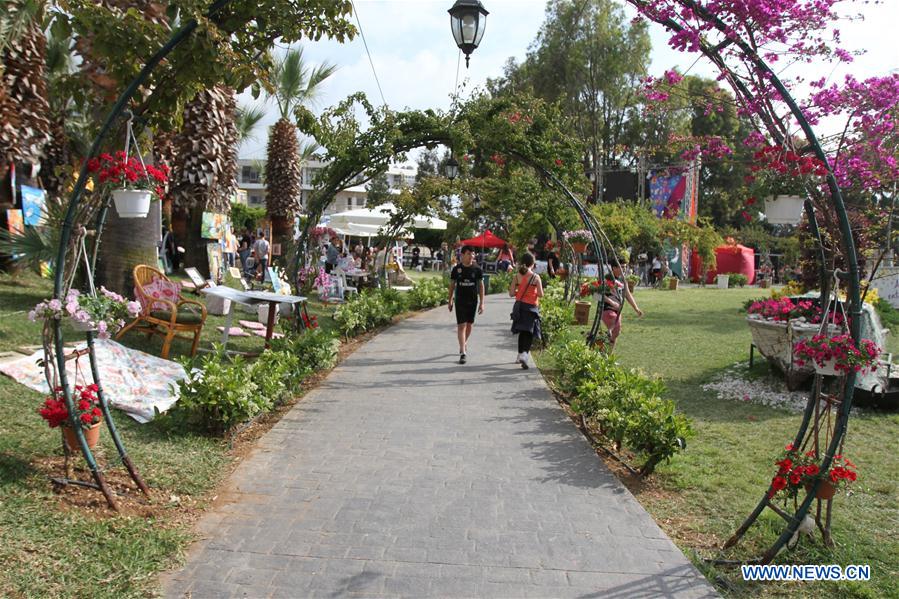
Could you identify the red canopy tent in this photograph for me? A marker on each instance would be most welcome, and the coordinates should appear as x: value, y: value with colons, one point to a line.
x: 485, y: 240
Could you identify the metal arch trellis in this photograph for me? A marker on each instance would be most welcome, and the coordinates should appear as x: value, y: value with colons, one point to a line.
x: 342, y: 175
x: 61, y: 263
x: 752, y: 58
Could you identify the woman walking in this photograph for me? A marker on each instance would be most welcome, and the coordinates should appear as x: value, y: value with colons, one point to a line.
x: 527, y: 289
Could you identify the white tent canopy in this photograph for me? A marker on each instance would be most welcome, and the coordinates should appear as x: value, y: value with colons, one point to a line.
x: 372, y: 219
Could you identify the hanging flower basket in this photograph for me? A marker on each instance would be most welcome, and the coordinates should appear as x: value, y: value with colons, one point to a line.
x: 132, y: 203
x: 91, y: 435
x: 579, y: 246
x: 784, y: 210
x: 578, y: 239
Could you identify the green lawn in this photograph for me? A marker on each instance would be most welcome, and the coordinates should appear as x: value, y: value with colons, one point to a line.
x: 52, y: 546
x: 703, y: 495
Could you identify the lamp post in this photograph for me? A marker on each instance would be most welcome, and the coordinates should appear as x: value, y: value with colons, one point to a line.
x: 468, y: 20
x: 451, y: 168
x: 590, y: 172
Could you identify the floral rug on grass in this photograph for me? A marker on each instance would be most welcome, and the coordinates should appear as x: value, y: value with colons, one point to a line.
x: 734, y: 385
x: 137, y: 383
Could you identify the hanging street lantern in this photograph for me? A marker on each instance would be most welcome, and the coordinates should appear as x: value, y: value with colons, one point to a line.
x: 451, y: 168
x: 468, y: 20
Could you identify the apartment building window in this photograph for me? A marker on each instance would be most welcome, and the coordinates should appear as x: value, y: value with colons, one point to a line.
x: 248, y: 174
x: 256, y: 200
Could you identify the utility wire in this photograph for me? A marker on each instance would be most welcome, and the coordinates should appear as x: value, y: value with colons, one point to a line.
x: 370, y: 61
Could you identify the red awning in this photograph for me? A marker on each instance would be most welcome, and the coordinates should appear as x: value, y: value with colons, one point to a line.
x: 484, y: 240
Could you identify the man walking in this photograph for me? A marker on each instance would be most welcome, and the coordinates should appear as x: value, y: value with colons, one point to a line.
x: 261, y: 249
x: 466, y: 291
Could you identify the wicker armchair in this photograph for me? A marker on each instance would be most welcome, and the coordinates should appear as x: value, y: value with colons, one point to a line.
x: 176, y: 317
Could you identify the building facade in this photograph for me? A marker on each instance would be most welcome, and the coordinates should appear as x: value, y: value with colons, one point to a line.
x: 250, y: 183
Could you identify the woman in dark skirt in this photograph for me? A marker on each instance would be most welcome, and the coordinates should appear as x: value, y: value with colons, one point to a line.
x: 527, y: 289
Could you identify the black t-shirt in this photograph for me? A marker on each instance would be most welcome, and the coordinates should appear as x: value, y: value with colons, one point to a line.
x: 467, y: 279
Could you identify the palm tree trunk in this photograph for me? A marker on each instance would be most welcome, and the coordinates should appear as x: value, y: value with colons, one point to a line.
x: 127, y: 242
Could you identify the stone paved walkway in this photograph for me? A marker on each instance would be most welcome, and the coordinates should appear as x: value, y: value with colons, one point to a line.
x: 406, y: 474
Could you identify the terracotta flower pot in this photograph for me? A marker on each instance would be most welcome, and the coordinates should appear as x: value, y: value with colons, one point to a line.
x: 672, y: 284
x: 91, y: 435
x: 631, y: 285
x: 826, y: 491
x: 582, y: 312
x: 579, y: 246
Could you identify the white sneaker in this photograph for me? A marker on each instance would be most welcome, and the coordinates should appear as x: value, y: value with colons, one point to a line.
x: 525, y: 358
x: 518, y: 359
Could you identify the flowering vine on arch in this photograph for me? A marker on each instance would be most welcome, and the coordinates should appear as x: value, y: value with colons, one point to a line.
x: 742, y: 38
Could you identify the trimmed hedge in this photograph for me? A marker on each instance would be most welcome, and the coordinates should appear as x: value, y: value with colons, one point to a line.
x: 223, y: 391
x: 625, y: 405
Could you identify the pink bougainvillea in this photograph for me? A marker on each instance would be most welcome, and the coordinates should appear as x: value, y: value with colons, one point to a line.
x: 742, y: 38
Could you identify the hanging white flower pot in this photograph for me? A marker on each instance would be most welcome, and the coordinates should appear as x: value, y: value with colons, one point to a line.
x: 784, y: 210
x: 132, y: 203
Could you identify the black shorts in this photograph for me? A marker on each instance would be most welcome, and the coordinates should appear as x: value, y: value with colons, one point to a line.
x: 465, y: 312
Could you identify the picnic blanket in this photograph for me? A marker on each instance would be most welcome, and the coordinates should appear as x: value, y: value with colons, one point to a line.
x: 137, y: 383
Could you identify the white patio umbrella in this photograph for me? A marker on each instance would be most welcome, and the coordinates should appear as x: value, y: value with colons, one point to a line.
x: 378, y: 216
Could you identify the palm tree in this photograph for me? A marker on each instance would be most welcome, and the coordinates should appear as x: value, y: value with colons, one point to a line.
x: 25, y: 129
x: 295, y: 84
x: 204, y: 175
x: 247, y: 119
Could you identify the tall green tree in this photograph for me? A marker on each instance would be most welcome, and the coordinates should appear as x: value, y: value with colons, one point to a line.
x: 592, y: 60
x: 295, y: 84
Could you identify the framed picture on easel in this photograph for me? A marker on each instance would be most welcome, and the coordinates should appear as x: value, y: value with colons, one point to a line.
x: 216, y: 262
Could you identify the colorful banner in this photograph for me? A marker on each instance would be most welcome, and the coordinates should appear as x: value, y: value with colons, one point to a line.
x: 675, y: 196
x: 32, y: 205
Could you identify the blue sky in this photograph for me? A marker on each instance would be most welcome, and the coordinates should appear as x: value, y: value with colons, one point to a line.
x: 415, y: 56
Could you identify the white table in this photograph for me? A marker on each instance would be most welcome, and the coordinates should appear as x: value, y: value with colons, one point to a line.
x: 253, y: 298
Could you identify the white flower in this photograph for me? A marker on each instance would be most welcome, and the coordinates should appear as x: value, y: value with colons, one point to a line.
x: 134, y: 308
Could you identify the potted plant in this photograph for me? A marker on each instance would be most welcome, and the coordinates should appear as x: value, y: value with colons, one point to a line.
x: 632, y: 281
x: 105, y: 312
x: 800, y: 471
x: 578, y: 239
x: 671, y: 282
x: 87, y: 413
x: 837, y: 355
x: 131, y: 182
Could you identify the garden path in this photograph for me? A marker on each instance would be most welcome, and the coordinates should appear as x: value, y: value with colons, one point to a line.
x: 407, y: 474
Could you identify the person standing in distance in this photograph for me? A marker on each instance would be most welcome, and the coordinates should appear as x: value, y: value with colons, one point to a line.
x: 466, y: 292
x: 261, y: 248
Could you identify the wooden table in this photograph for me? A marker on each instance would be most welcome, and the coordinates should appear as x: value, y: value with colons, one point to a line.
x: 254, y: 298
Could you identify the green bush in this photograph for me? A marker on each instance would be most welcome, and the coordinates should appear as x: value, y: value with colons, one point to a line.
x: 889, y: 316
x: 314, y: 350
x: 736, y: 279
x: 218, y: 393
x: 427, y: 293
x: 499, y: 282
x: 555, y: 316
x: 368, y: 310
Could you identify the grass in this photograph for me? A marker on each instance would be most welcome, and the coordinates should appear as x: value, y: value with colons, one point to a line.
x: 53, y: 545
x: 703, y: 495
